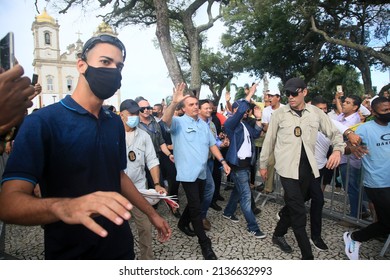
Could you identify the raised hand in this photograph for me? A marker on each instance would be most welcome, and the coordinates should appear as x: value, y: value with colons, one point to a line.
x: 178, y: 93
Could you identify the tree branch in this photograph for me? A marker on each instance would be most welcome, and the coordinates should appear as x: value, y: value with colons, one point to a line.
x: 349, y: 44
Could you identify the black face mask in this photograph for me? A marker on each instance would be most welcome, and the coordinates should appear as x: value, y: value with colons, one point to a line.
x: 383, y: 117
x: 104, y: 82
x: 155, y: 114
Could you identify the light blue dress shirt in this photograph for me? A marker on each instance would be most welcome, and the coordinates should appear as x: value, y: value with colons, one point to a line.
x: 192, y: 140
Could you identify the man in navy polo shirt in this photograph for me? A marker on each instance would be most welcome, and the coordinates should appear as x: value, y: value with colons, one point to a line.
x: 76, y: 151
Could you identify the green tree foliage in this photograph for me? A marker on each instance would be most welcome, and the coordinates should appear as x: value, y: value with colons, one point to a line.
x: 163, y: 13
x: 327, y: 80
x: 273, y: 36
x: 276, y: 36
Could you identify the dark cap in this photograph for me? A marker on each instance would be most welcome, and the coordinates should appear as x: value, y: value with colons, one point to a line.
x: 294, y: 84
x: 246, y: 86
x: 129, y: 105
x: 103, y: 38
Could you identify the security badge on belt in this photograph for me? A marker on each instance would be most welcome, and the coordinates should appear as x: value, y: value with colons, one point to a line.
x: 132, y: 156
x: 297, y: 131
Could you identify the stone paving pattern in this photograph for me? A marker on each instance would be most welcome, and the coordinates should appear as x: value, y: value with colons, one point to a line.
x: 230, y: 240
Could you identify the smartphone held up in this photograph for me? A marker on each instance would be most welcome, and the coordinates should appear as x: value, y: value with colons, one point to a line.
x: 34, y: 79
x: 7, y: 53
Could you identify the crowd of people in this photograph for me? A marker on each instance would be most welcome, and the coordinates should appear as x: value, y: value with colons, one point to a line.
x: 79, y: 168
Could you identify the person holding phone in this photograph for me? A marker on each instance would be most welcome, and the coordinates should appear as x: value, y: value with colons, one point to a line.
x: 15, y: 97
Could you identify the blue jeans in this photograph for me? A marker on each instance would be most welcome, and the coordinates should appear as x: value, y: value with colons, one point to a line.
x: 241, y: 193
x: 353, y: 188
x: 209, y: 189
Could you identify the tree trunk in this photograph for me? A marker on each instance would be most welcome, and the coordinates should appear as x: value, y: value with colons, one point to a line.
x: 165, y: 42
x: 194, y: 44
x: 364, y: 67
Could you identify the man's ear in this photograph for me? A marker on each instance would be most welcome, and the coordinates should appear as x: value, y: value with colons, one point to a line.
x: 81, y: 66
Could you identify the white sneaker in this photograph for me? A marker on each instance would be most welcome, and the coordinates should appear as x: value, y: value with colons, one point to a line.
x: 351, y: 246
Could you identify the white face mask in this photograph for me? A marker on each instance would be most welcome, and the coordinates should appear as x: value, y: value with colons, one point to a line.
x: 132, y: 121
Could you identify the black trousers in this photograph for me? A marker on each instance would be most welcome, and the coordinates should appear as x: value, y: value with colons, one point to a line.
x: 316, y: 205
x: 294, y: 212
x: 380, y: 197
x: 192, y: 212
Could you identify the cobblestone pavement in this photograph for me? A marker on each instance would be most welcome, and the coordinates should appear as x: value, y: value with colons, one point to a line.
x: 230, y: 240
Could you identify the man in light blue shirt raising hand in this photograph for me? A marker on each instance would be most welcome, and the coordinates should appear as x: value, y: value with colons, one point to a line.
x: 192, y: 141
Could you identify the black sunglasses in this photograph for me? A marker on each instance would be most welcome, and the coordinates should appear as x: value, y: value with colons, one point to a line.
x: 103, y: 39
x: 142, y: 109
x: 292, y: 93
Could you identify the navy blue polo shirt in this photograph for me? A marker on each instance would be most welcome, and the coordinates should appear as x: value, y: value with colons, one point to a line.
x: 70, y: 153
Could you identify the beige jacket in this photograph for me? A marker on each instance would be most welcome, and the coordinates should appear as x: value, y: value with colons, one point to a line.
x: 281, y: 140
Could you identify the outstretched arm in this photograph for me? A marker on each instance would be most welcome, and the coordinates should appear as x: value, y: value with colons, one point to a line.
x: 19, y: 206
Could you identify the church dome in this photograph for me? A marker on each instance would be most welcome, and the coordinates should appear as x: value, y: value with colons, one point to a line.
x: 44, y: 17
x: 104, y: 28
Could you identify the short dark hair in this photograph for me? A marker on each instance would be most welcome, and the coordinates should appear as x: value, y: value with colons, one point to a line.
x: 139, y: 98
x: 203, y: 101
x: 179, y: 106
x: 318, y: 100
x: 158, y: 105
x: 357, y: 101
x: 379, y: 100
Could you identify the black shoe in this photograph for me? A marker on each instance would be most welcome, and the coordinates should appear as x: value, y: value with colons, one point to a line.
x: 256, y: 211
x: 319, y: 244
x: 208, y: 253
x: 186, y: 230
x: 220, y: 198
x: 215, y: 206
x: 281, y: 242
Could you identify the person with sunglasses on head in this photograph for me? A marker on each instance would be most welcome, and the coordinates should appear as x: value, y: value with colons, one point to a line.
x: 291, y: 136
x: 76, y: 151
